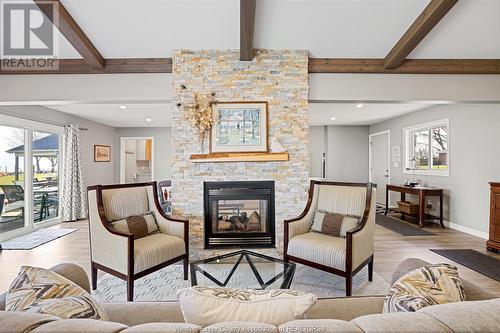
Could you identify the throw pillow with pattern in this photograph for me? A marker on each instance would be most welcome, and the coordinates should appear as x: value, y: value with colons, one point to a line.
x: 334, y: 224
x: 426, y: 286
x: 206, y: 306
x: 140, y: 226
x: 39, y: 290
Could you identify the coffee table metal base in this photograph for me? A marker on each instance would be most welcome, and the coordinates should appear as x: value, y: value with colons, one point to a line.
x: 287, y: 272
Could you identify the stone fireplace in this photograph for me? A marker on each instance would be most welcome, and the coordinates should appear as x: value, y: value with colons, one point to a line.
x: 239, y: 213
x: 278, y: 77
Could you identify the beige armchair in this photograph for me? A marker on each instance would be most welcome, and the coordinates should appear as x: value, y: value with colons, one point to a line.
x: 117, y: 253
x: 340, y: 256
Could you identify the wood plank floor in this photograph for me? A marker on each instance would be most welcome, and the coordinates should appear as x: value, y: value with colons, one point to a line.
x: 390, y: 249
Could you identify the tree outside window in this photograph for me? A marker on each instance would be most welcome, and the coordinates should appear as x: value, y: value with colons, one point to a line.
x: 427, y: 148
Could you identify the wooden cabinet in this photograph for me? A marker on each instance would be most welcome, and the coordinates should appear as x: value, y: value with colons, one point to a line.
x: 493, y: 243
x: 143, y: 152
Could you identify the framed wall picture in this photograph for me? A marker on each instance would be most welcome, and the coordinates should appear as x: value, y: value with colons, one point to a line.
x: 102, y: 153
x: 239, y: 127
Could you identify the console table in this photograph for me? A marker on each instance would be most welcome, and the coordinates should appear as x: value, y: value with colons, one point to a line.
x: 422, y: 193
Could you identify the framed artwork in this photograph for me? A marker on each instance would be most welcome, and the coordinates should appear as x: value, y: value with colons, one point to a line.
x: 239, y: 127
x: 102, y: 153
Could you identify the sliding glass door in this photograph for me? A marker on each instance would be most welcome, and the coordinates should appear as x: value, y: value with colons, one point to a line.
x: 30, y: 159
x: 45, y: 152
x: 12, y: 198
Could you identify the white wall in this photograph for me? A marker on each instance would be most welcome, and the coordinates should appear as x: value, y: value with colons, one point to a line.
x: 474, y: 160
x: 347, y: 154
x: 317, y: 146
x: 162, y: 148
x: 346, y: 150
x: 94, y: 173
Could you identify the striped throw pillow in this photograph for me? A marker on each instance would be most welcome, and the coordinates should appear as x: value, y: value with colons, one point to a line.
x: 39, y: 290
x: 334, y: 224
x: 140, y: 226
x: 425, y: 286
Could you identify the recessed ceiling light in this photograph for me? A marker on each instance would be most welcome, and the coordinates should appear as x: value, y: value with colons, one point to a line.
x: 148, y: 120
x: 333, y: 118
x: 123, y: 107
x: 359, y: 105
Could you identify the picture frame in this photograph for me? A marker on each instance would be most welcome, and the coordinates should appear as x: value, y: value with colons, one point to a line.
x: 102, y: 153
x: 239, y: 127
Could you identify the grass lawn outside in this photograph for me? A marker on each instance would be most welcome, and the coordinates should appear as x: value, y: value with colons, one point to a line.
x: 9, y: 179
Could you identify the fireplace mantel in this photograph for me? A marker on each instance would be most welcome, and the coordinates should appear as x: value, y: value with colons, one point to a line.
x: 239, y: 157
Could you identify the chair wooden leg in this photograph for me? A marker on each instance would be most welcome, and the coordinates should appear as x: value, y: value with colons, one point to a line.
x: 370, y: 270
x: 93, y: 276
x: 130, y: 289
x: 186, y: 268
x: 348, y: 284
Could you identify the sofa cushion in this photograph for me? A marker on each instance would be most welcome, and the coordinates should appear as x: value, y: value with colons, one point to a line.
x: 140, y: 225
x: 346, y: 308
x: 16, y: 321
x: 163, y: 328
x: 38, y: 290
x: 210, y: 305
x: 120, y: 203
x: 426, y: 286
x: 319, y: 248
x: 136, y: 313
x: 400, y: 322
x: 80, y: 326
x: 156, y: 249
x: 240, y: 327
x: 479, y: 316
x: 319, y: 325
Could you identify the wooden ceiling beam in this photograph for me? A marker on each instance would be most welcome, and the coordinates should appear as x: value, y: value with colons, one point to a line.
x: 247, y: 24
x: 424, y: 23
x: 409, y: 66
x: 113, y: 66
x: 316, y: 65
x: 73, y: 33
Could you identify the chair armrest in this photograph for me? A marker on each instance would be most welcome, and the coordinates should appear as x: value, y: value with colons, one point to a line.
x: 360, y: 240
x: 172, y: 226
x: 297, y: 226
x: 108, y: 247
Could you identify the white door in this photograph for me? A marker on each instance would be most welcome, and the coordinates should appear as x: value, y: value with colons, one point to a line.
x: 379, y: 163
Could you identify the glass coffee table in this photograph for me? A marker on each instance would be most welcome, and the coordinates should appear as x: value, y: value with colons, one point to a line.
x: 243, y: 269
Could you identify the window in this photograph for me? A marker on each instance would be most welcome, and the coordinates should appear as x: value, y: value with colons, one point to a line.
x: 426, y: 148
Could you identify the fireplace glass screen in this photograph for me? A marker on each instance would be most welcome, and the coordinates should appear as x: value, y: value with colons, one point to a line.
x: 239, y: 216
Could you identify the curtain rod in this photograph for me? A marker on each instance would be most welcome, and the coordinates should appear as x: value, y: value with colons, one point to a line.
x: 39, y: 120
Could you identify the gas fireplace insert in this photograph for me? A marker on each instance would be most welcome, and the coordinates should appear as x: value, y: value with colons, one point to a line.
x: 239, y: 214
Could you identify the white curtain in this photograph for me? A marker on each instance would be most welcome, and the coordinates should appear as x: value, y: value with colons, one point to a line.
x: 73, y: 196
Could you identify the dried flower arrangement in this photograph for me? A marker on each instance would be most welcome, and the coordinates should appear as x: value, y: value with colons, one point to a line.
x: 198, y: 111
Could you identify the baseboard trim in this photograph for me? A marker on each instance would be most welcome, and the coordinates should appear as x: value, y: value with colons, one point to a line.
x: 467, y: 230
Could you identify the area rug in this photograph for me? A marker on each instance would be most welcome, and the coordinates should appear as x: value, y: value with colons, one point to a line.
x: 34, y: 239
x: 474, y: 260
x: 163, y: 284
x: 401, y: 227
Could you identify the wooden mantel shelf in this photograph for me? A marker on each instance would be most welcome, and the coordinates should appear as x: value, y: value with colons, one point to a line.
x: 239, y: 157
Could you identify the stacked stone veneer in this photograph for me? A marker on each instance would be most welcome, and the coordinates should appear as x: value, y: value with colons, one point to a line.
x: 278, y: 77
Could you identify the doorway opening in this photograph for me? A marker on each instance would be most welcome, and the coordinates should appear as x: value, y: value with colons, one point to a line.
x: 136, y: 159
x: 379, y: 163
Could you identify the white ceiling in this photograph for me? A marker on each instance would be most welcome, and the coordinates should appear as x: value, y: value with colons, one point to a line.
x: 327, y: 28
x: 349, y: 114
x: 135, y: 115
